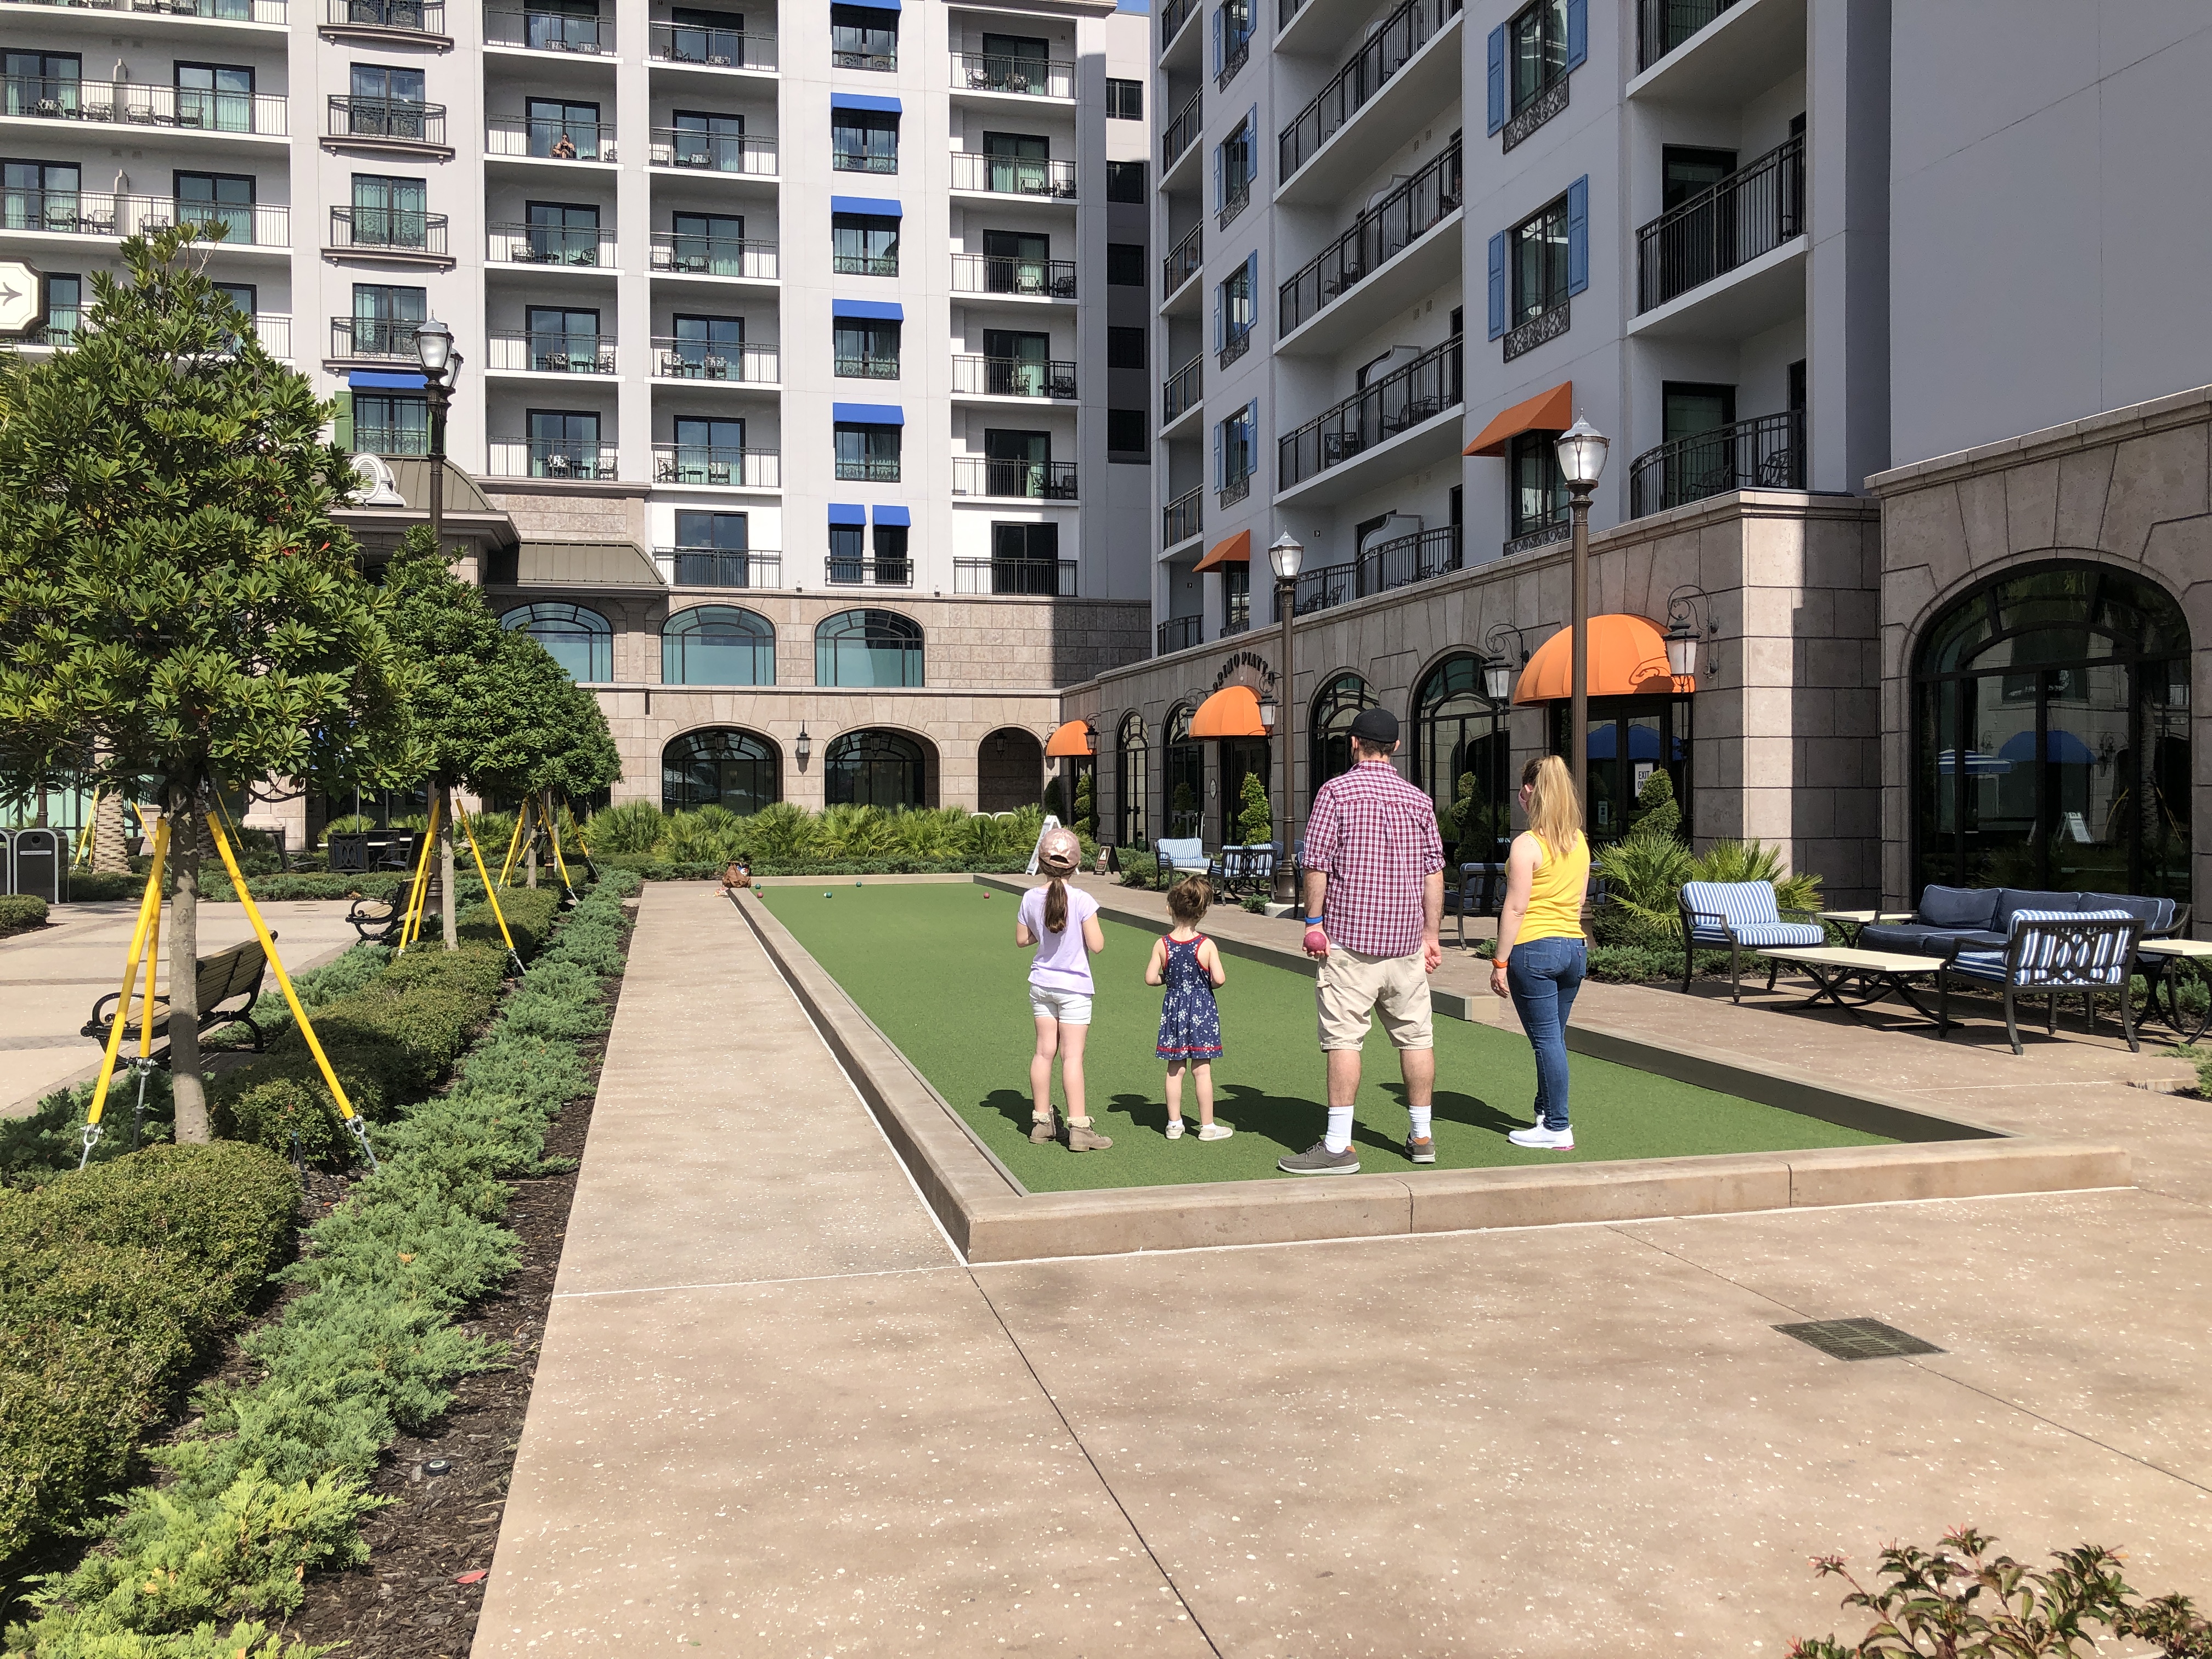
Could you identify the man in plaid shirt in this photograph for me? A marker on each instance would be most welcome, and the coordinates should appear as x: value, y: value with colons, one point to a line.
x: 1375, y: 908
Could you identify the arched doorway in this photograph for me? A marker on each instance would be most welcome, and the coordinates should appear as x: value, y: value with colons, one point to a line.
x: 1185, y: 776
x: 1329, y: 733
x: 873, y: 768
x: 1136, y: 782
x: 1009, y: 771
x: 2050, y: 735
x: 722, y: 766
x: 1462, y: 754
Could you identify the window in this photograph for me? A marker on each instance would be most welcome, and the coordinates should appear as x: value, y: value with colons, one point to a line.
x: 1237, y: 447
x: 892, y: 565
x: 1025, y: 558
x: 245, y: 296
x: 384, y: 102
x: 864, y: 141
x: 64, y: 307
x: 848, y: 545
x: 697, y: 36
x: 1125, y: 348
x: 562, y: 232
x: 1236, y: 163
x: 1236, y: 597
x: 581, y: 640
x: 216, y: 96
x: 719, y: 532
x: 564, y: 443
x: 1136, y: 783
x: 863, y: 38
x: 389, y: 212
x: 385, y: 424
x: 863, y: 245
x: 40, y: 195
x: 706, y: 347
x: 868, y: 454
x: 1125, y: 433
x: 1540, y: 495
x: 1186, y: 775
x: 865, y: 348
x: 867, y: 648
x: 1125, y: 99
x: 1329, y: 733
x: 717, y: 645
x: 1539, y: 267
x: 738, y: 771
x: 1236, y: 308
x: 875, y: 769
x: 565, y: 25
x: 1125, y: 181
x: 1125, y: 263
x: 1537, y: 49
x: 712, y: 243
x: 1232, y: 39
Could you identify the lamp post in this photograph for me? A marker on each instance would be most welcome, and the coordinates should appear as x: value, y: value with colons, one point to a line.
x: 1580, y: 450
x: 441, y: 370
x: 1285, y: 555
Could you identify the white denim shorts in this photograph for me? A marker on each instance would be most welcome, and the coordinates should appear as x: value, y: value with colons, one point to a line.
x: 1068, y: 1008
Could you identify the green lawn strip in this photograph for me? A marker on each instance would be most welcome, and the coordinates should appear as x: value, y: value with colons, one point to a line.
x: 937, y: 970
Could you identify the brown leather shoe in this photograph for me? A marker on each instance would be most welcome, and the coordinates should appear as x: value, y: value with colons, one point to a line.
x: 1043, y: 1130
x: 1082, y: 1138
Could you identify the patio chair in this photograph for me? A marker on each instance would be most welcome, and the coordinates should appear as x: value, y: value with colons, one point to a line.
x: 1184, y: 857
x: 2058, y: 953
x: 1740, y: 916
x: 1481, y: 893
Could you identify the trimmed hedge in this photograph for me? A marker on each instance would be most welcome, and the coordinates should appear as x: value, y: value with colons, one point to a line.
x: 22, y: 911
x: 653, y: 868
x: 113, y: 1282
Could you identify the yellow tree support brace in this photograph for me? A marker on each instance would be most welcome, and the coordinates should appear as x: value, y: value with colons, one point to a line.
x: 353, y: 1124
x: 514, y: 844
x: 149, y: 909
x: 491, y: 891
x: 418, y: 892
x: 553, y: 830
x: 84, y: 835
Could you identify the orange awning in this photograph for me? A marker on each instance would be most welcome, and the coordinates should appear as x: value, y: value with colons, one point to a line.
x: 1229, y: 550
x: 1069, y: 739
x: 1547, y: 411
x: 1232, y: 712
x: 1628, y: 658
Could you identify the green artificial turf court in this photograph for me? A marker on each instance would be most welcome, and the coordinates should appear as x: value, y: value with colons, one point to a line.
x: 936, y: 968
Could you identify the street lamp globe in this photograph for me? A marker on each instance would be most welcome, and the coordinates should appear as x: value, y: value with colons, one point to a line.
x: 1682, y: 649
x: 434, y: 347
x: 1581, y: 449
x: 1498, y: 678
x: 1285, y: 555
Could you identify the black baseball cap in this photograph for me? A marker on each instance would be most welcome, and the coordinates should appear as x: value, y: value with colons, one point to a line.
x: 1375, y: 725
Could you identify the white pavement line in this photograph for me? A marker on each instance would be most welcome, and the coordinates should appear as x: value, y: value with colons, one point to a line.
x: 747, y: 1284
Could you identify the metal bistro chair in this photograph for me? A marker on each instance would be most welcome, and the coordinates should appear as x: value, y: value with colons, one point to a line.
x: 2058, y: 953
x: 1481, y: 893
x: 1739, y: 915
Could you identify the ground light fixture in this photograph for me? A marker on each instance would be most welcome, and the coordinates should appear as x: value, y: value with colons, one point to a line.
x: 1580, y: 450
x: 1285, y: 555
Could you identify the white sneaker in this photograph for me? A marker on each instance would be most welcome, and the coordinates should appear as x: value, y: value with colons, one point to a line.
x: 1215, y: 1132
x: 1175, y: 1128
x: 1550, y: 1140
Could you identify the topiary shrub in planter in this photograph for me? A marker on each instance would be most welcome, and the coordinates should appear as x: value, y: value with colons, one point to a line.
x: 19, y: 912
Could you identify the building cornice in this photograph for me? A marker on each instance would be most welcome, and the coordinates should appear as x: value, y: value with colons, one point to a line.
x: 2191, y: 408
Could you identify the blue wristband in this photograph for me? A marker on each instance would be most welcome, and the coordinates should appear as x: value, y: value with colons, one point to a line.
x: 1312, y: 921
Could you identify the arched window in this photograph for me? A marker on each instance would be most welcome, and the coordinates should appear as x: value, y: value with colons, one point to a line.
x: 720, y: 767
x: 581, y: 640
x: 1136, y: 780
x: 1461, y: 756
x: 875, y: 769
x: 1329, y: 733
x: 718, y: 645
x: 1185, y: 776
x: 868, y: 647
x: 2050, y: 735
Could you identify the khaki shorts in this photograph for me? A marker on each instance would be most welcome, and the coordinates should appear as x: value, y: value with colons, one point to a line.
x: 1353, y: 987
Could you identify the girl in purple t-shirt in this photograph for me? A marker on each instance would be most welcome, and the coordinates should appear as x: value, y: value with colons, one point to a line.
x: 1062, y: 923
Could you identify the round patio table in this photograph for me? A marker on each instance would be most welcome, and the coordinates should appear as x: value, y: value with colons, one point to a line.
x: 2165, y: 965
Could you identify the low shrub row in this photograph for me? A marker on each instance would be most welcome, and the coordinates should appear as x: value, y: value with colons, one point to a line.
x: 19, y: 912
x: 272, y: 1486
x: 652, y: 868
x: 787, y: 835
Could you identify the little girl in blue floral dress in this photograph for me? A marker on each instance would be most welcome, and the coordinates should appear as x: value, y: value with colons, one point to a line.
x: 1189, y: 965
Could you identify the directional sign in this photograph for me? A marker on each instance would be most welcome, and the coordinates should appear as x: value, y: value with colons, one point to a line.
x: 22, y: 297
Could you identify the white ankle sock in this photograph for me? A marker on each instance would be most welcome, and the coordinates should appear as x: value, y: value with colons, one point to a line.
x: 1420, y: 1116
x: 1340, y: 1128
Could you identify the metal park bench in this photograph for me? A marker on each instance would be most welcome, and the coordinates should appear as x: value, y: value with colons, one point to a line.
x: 378, y: 921
x: 227, y: 976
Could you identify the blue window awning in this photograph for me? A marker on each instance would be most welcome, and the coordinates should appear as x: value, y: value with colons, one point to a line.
x: 383, y: 380
x: 847, y: 513
x: 875, y: 5
x: 893, y: 515
x: 863, y: 100
x: 876, y: 311
x: 867, y: 414
x: 877, y: 207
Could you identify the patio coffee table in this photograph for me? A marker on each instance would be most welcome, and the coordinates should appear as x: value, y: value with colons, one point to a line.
x: 2165, y: 962
x: 1877, y: 974
x: 1849, y: 922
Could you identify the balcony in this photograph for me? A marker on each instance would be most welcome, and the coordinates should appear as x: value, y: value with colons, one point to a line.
x: 1399, y: 562
x: 390, y: 440
x: 1012, y: 377
x: 1765, y: 452
x: 570, y: 246
x: 388, y: 232
x: 1663, y: 25
x: 1018, y: 481
x: 580, y: 460
x: 386, y: 122
x: 217, y: 11
x: 1753, y: 211
x: 523, y: 353
x: 675, y: 359
x: 1183, y: 392
x: 692, y: 254
x: 1182, y: 132
x: 1173, y: 17
x: 1379, y: 235
x: 1024, y: 279
x: 375, y: 20
x: 1178, y: 633
x: 1235, y: 55
x: 1236, y: 198
x: 516, y: 138
x: 141, y: 104
x: 1386, y: 50
x: 701, y: 47
x: 1182, y: 518
x: 547, y: 31
x: 723, y: 467
x: 96, y: 213
x: 716, y: 152
x: 862, y: 161
x: 1237, y: 490
x: 1013, y: 175
x: 714, y: 566
x: 864, y: 469
x: 865, y: 572
x: 866, y: 368
x: 853, y: 58
x: 1548, y: 100
x: 1530, y: 332
x: 1399, y: 403
x: 1552, y: 534
x: 865, y: 265
x: 1238, y: 343
x: 1024, y: 77
x: 381, y: 339
x: 1046, y: 579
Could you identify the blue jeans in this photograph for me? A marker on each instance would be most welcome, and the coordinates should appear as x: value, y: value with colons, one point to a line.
x: 1543, y: 976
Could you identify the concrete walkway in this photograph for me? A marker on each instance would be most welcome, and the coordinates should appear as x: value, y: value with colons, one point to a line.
x: 776, y: 1415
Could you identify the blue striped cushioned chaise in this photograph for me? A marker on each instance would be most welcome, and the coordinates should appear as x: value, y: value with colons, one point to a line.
x: 2058, y: 953
x: 1741, y: 916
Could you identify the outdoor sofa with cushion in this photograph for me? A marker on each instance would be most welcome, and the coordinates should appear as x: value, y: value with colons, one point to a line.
x: 1980, y: 918
x: 2054, y: 953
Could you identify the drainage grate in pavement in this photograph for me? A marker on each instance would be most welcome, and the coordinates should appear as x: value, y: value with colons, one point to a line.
x: 1858, y: 1339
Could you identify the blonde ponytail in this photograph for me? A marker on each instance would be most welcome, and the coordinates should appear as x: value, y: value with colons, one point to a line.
x: 1555, y: 816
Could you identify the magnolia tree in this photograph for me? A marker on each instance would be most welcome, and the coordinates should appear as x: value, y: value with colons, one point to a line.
x: 176, y: 604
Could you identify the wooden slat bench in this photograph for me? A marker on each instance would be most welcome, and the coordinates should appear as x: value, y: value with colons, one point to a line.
x: 228, y: 976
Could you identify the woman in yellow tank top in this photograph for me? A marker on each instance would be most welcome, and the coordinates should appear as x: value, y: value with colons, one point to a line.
x: 1540, y: 956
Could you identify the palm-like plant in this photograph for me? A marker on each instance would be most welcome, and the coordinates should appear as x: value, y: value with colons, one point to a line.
x: 635, y: 826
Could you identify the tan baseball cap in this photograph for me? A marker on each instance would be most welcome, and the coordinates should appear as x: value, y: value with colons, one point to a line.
x: 1060, y: 852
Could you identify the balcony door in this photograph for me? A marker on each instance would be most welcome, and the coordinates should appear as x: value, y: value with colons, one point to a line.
x: 562, y: 339
x: 1015, y: 262
x: 710, y: 451
x: 40, y: 195
x: 709, y: 348
x: 384, y: 319
x: 385, y: 102
x: 217, y: 200
x: 550, y: 121
x: 564, y: 443
x: 1017, y: 162
x: 1015, y: 361
x: 1691, y: 410
x: 709, y: 242
x: 218, y: 97
x: 563, y: 232
x: 389, y: 212
x: 713, y: 142
x: 1705, y: 240
x: 44, y: 83
x: 1018, y: 63
x: 1015, y: 462
x: 1025, y: 558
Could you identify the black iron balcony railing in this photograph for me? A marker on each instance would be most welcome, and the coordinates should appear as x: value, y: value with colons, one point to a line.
x: 1183, y: 259
x: 382, y: 337
x: 1381, y: 233
x: 720, y: 567
x: 1180, y: 392
x: 1182, y: 132
x: 867, y: 368
x: 1399, y: 562
x: 369, y: 440
x: 1754, y: 211
x: 1765, y: 452
x: 551, y: 245
x: 1236, y: 197
x: 865, y: 265
x: 712, y: 48
x: 399, y: 230
x: 1381, y: 55
x: 1530, y: 332
x: 864, y: 571
x: 1173, y: 17
x: 1235, y: 54
x: 1182, y: 518
x: 716, y: 463
x: 692, y: 253
x: 845, y: 160
x: 1036, y: 578
x: 1012, y: 176
x: 1033, y: 481
x: 1663, y: 25
x: 1033, y: 77
x: 675, y: 358
x: 545, y: 353
x: 221, y: 11
x: 719, y: 152
x: 1238, y: 621
x: 1238, y: 343
x: 1550, y: 534
x: 97, y: 213
x: 548, y: 139
x: 550, y: 31
x: 1547, y: 101
x: 1012, y: 377
x: 585, y: 458
x: 1238, y: 487
x: 142, y: 103
x: 387, y: 117
x: 867, y: 469
x: 1179, y: 632
x: 1377, y: 412
x: 987, y: 273
x: 403, y: 16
